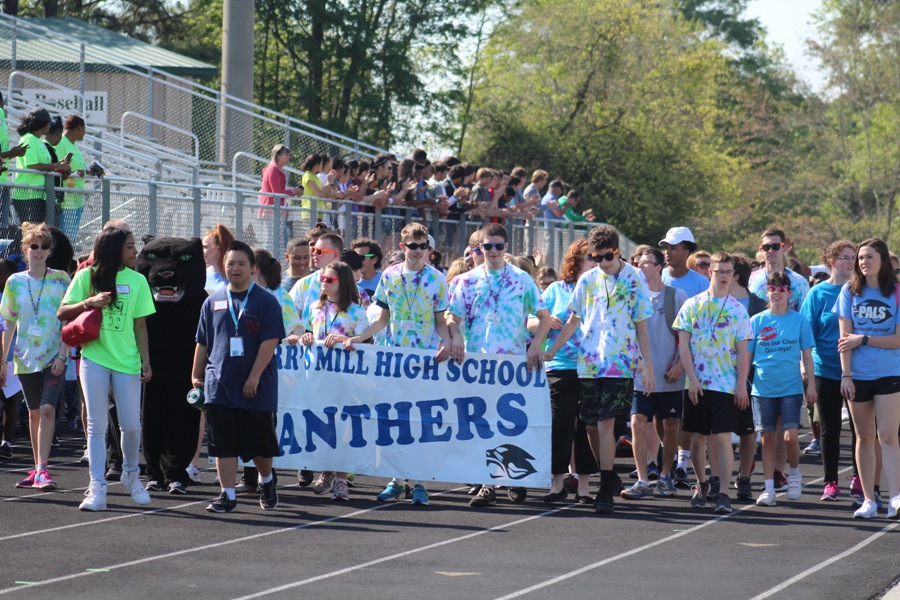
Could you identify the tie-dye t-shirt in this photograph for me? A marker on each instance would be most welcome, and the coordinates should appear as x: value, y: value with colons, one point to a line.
x: 413, y: 299
x: 609, y: 306
x: 494, y: 306
x: 556, y: 298
x: 288, y: 310
x: 326, y: 320
x: 304, y: 293
x: 716, y: 326
x: 799, y: 287
x: 39, y: 335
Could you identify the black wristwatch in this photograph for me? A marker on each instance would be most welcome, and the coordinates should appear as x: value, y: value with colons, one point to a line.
x: 865, y: 341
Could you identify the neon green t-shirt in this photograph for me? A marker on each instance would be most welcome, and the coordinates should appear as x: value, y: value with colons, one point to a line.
x: 4, y: 141
x: 116, y: 348
x: 312, y: 187
x: 72, y: 199
x: 37, y: 154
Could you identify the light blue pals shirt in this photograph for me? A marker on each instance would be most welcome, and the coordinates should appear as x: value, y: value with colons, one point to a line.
x: 872, y: 315
x: 777, y: 345
x: 817, y: 308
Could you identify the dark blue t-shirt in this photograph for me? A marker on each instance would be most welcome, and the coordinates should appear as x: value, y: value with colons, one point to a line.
x: 225, y: 374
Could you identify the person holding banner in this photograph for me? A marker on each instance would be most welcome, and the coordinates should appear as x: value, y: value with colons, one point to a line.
x: 234, y: 363
x: 488, y: 312
x: 413, y: 298
x: 611, y: 306
x: 334, y: 318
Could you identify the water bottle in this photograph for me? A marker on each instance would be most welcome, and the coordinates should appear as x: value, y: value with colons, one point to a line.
x: 195, y: 399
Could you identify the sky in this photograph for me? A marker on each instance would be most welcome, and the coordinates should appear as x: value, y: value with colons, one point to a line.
x: 789, y: 24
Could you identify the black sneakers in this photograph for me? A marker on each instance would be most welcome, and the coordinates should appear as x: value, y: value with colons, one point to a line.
x: 700, y: 492
x: 268, y: 497
x: 744, y: 492
x: 604, y: 503
x: 485, y: 497
x: 723, y: 504
x: 517, y: 494
x: 304, y: 478
x: 222, y: 504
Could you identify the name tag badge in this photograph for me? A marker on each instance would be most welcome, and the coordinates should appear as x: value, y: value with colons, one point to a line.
x: 708, y: 352
x: 493, y: 318
x: 237, y: 346
x: 35, y: 330
x: 407, y: 325
x: 123, y: 289
x: 220, y: 305
x: 605, y: 325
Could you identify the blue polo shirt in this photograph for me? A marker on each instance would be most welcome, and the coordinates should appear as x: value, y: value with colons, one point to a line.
x: 260, y: 321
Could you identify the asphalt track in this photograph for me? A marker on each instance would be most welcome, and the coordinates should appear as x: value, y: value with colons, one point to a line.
x: 311, y: 547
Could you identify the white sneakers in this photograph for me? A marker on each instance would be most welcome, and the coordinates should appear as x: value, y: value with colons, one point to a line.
x: 767, y: 498
x: 132, y: 483
x: 868, y: 510
x: 794, y: 487
x: 95, y: 498
x: 894, y: 508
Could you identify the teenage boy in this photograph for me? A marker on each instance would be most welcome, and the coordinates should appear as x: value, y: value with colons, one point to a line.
x: 296, y: 256
x: 234, y: 362
x: 489, y: 308
x: 610, y: 305
x: 371, y: 266
x: 774, y: 245
x: 412, y: 296
x: 667, y: 402
x: 713, y: 332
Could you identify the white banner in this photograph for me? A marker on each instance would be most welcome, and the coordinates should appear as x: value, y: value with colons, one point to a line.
x: 95, y: 110
x: 395, y: 412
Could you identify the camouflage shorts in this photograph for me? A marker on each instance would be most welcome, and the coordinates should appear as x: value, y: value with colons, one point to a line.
x: 605, y: 398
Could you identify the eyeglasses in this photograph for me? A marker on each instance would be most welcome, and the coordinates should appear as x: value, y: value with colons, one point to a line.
x: 321, y: 251
x: 40, y: 246
x: 602, y: 257
x: 647, y: 263
x: 850, y: 257
x: 727, y: 272
x: 415, y: 246
x: 328, y: 278
x: 703, y: 265
x: 499, y: 246
x: 778, y: 288
x: 773, y: 247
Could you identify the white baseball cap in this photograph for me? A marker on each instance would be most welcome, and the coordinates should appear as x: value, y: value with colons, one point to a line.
x: 676, y: 235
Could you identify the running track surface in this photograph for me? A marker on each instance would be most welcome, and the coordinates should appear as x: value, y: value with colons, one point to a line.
x: 311, y: 547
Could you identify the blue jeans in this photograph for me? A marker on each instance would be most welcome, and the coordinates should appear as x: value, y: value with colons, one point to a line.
x: 767, y: 410
x: 70, y: 220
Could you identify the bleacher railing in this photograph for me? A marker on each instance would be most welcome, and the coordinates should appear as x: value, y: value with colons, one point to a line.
x: 167, y: 209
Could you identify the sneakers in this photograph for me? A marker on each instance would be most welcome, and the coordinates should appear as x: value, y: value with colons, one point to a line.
x: 245, y: 488
x: 680, y: 479
x: 767, y: 498
x: 845, y: 415
x: 868, y: 510
x: 604, y: 504
x: 43, y: 481
x: 304, y: 478
x: 484, y: 498
x: 393, y: 490
x: 794, y: 487
x: 222, y: 504
x: 419, y: 495
x: 132, y: 483
x: 665, y: 488
x: 637, y: 491
x: 723, y: 504
x: 714, y: 488
x: 176, y: 488
x: 652, y: 472
x: 28, y: 481
x: 341, y: 490
x: 5, y: 450
x: 856, y: 487
x: 268, y: 497
x: 517, y: 494
x: 781, y: 482
x: 814, y: 448
x: 701, y: 490
x: 194, y: 473
x: 86, y: 457
x: 153, y: 486
x: 832, y: 491
x: 559, y: 496
x: 893, y: 511
x: 95, y: 498
x: 324, y: 483
x: 744, y: 492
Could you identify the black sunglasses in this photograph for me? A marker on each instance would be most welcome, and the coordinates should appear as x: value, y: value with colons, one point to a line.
x: 703, y: 265
x: 415, y: 246
x: 766, y: 247
x: 40, y: 246
x: 598, y: 257
x: 500, y: 246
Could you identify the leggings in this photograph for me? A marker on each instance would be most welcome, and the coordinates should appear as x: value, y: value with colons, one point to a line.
x: 567, y: 427
x: 95, y: 383
x: 830, y: 404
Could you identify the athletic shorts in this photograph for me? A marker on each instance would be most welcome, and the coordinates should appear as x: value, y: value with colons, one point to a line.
x: 41, y: 389
x: 662, y: 405
x: 868, y: 389
x: 604, y: 398
x: 789, y: 408
x: 745, y: 420
x: 240, y: 432
x: 714, y: 413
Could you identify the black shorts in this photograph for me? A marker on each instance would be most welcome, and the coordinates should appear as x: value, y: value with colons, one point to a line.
x: 743, y: 421
x: 868, y: 389
x: 715, y: 412
x: 42, y: 388
x: 605, y: 398
x: 662, y: 405
x: 240, y: 432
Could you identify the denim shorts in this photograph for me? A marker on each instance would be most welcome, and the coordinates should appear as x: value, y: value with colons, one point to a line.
x: 767, y: 410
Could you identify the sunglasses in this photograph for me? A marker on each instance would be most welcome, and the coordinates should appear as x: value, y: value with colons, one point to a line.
x: 703, y: 265
x: 40, y: 246
x: 415, y: 246
x: 774, y: 247
x: 476, y: 249
x: 601, y: 257
x: 321, y: 251
x: 500, y: 246
x: 369, y: 255
x: 778, y: 288
x: 328, y: 278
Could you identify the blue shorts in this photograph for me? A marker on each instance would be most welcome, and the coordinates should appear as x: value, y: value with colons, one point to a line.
x: 662, y: 405
x: 767, y: 410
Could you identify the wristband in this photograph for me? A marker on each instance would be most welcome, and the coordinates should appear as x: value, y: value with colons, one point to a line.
x: 846, y: 376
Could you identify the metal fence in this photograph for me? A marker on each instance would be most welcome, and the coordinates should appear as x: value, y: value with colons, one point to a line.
x: 165, y: 209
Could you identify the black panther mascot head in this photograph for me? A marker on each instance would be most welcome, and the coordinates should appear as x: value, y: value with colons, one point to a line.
x: 174, y: 268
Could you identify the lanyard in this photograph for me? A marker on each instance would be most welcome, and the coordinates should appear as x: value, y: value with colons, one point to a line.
x: 416, y: 280
x: 329, y: 327
x: 712, y: 329
x: 36, y: 305
x: 236, y: 317
x: 606, y: 287
x: 503, y: 279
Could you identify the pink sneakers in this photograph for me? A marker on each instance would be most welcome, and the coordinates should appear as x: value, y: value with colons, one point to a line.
x: 832, y: 491
x: 28, y: 481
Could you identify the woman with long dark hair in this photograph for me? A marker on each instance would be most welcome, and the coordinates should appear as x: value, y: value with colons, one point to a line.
x: 868, y: 308
x: 120, y: 355
x: 31, y: 205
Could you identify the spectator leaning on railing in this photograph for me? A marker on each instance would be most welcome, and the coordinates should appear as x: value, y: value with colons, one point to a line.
x: 30, y: 205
